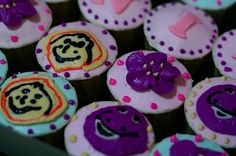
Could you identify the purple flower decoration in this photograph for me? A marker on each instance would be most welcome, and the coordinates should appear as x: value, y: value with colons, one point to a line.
x: 151, y: 72
x: 12, y: 12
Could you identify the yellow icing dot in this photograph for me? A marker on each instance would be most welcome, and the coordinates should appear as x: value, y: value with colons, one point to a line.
x: 84, y: 154
x: 73, y: 138
x: 201, y: 127
x: 193, y: 115
x: 213, y: 136
x: 117, y: 103
x: 149, y: 129
x: 73, y: 118
x: 185, y: 110
x: 199, y: 86
x: 190, y: 103
x: 226, y: 141
x: 94, y: 105
x: 223, y: 78
x: 207, y: 80
x: 193, y: 94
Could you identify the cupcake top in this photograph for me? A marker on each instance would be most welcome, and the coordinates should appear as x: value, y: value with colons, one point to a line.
x: 211, y: 4
x: 224, y: 55
x: 115, y: 14
x: 36, y: 103
x: 150, y: 81
x: 3, y: 67
x: 76, y: 51
x: 185, y: 144
x: 180, y: 30
x: 211, y: 110
x: 23, y: 22
x: 106, y: 128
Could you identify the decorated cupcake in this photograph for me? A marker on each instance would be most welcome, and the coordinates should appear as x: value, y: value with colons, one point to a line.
x: 3, y: 67
x: 224, y: 55
x: 78, y: 51
x: 123, y: 18
x: 22, y: 23
x: 211, y: 110
x: 187, y: 145
x: 36, y: 104
x: 107, y: 128
x: 187, y: 33
x: 153, y: 83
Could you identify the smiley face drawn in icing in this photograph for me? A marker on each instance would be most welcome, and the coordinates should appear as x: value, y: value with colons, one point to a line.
x: 219, y: 104
x: 32, y: 100
x: 117, y: 130
x: 74, y: 50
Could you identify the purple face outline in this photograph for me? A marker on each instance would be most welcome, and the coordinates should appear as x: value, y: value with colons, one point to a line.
x: 187, y: 147
x: 117, y: 130
x: 219, y: 104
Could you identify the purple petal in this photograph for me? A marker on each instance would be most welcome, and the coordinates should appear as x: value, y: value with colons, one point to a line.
x: 139, y: 81
x: 10, y: 18
x: 135, y: 62
x: 157, y: 57
x: 25, y: 8
x: 161, y: 86
x: 169, y: 73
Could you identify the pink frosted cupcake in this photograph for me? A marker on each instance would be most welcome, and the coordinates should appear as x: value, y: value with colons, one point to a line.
x: 153, y: 83
x: 106, y: 128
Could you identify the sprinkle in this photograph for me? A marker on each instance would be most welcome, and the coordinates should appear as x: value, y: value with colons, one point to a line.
x: 199, y: 86
x: 73, y: 138
x: 112, y: 82
x: 73, y: 118
x: 41, y: 28
x: 30, y: 131
x: 126, y: 99
x: 154, y: 106
x: 224, y: 78
x: 207, y: 80
x: 149, y: 129
x: 193, y: 115
x: 120, y: 63
x: 181, y: 97
x: 144, y: 66
x: 198, y: 138
x: 71, y: 102
x: 173, y: 138
x: 226, y: 140
x: 84, y: 154
x: 52, y: 127
x: 186, y: 76
x: 2, y: 61
x: 14, y: 38
x: 213, y: 136
x: 190, y: 103
x: 94, y: 105
x: 193, y: 94
x: 66, y: 117
x: 67, y: 86
x: 171, y: 59
x: 47, y: 10
x: 201, y: 127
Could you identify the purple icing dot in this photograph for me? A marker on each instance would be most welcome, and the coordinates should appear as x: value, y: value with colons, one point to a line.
x: 200, y: 51
x: 66, y: 117
x: 219, y: 54
x: 140, y: 16
x: 145, y: 10
x: 148, y: 28
x: 87, y: 75
x: 208, y: 47
x: 104, y: 32
x: 215, y: 31
x: 163, y: 5
x: 153, y: 37
x: 170, y: 48
x: 52, y: 127
x: 116, y: 22
x: 148, y: 21
x: 224, y: 38
x: 134, y: 20
x: 39, y: 50
x: 96, y: 17
x: 83, y: 23
x: 105, y: 21
x: 191, y: 52
x: 206, y: 14
x: 9, y: 127
x: 213, y: 22
x: 146, y: 2
x: 112, y: 47
x: 63, y: 24
x: 107, y: 63
x: 48, y: 66
x: 219, y: 46
x: 67, y: 86
x: 125, y: 23
x: 84, y: 3
x: 151, y: 14
x: 54, y: 75
x: 182, y: 51
x: 30, y: 131
x: 231, y: 33
x: 13, y: 76
x: 211, y: 40
x: 35, y: 72
x: 71, y: 102
x: 45, y: 34
x: 228, y: 69
x: 67, y: 74
x: 223, y: 63
x: 162, y: 43
x: 90, y: 11
x: 156, y: 9
x: 213, y: 36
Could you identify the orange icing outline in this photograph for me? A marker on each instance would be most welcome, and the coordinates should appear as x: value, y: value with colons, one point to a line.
x: 3, y: 99
x: 70, y: 68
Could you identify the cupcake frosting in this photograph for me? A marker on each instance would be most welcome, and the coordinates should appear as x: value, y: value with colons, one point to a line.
x: 77, y: 50
x: 150, y: 81
x: 115, y: 14
x: 180, y: 30
x: 210, y: 110
x: 16, y: 23
x: 185, y: 144
x: 37, y: 103
x: 224, y: 55
x: 106, y: 128
x: 3, y: 67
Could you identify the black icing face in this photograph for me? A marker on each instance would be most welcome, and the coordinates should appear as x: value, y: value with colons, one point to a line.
x: 73, y: 47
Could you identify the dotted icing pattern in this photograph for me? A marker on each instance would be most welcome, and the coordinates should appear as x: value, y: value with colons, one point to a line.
x: 50, y: 126
x: 163, y: 148
x: 102, y: 54
x: 37, y: 26
x: 132, y: 17
x: 224, y: 55
x: 148, y: 101
x: 211, y: 4
x: 3, y: 67
x: 75, y: 141
x: 204, y: 31
x: 193, y: 118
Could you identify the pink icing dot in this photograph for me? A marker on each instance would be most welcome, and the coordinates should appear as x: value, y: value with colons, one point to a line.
x: 173, y: 138
x: 219, y: 2
x: 181, y: 97
x: 1, y: 78
x: 120, y: 63
x: 171, y: 59
x: 14, y: 38
x: 47, y: 10
x: 112, y: 81
x: 186, y: 76
x: 154, y: 106
x: 156, y: 153
x: 2, y: 61
x: 41, y: 27
x: 194, y: 0
x: 126, y: 99
x: 198, y: 138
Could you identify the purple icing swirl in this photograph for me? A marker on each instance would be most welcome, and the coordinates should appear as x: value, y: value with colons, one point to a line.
x: 151, y: 71
x: 117, y: 131
x: 12, y: 12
